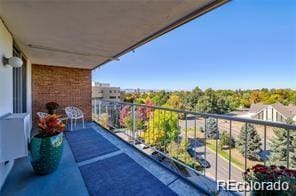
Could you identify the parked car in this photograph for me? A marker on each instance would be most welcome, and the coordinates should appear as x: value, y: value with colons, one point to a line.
x: 191, y: 152
x: 203, y: 162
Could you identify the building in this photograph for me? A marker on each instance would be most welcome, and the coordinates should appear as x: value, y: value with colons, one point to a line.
x: 106, y: 91
x: 276, y: 112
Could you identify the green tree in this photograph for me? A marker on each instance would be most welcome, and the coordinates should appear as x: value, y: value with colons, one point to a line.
x: 179, y: 152
x: 279, y: 147
x: 212, y: 131
x: 194, y: 96
x: 215, y: 101
x: 293, y: 153
x: 249, y: 133
x: 226, y: 140
x: 205, y: 104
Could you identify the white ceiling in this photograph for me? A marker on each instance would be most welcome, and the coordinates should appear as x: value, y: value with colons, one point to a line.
x: 86, y: 34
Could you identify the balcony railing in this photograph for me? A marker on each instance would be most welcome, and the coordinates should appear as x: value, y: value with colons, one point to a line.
x: 190, y: 143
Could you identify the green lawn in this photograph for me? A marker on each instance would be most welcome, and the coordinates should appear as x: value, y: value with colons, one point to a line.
x: 224, y: 153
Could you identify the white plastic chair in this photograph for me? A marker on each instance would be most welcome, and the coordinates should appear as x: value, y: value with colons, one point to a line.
x: 42, y: 115
x: 74, y: 113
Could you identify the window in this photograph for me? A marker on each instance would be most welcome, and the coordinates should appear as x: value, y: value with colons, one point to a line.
x: 19, y: 76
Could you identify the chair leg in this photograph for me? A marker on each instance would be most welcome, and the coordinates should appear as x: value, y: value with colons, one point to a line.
x: 71, y: 125
x: 75, y: 123
x: 66, y: 125
x: 83, y: 122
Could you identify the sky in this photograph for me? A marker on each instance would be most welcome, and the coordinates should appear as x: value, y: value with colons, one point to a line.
x: 246, y: 44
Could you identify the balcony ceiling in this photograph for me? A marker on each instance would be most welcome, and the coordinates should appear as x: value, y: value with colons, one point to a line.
x: 87, y: 34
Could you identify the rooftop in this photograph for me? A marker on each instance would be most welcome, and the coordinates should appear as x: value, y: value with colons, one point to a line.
x: 288, y: 111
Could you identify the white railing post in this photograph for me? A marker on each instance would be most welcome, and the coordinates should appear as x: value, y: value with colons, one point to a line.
x: 95, y: 107
x: 100, y: 107
x: 134, y: 123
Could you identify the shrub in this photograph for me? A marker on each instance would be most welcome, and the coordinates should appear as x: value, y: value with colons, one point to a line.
x: 104, y: 120
x: 225, y: 140
x: 179, y: 152
x: 262, y: 174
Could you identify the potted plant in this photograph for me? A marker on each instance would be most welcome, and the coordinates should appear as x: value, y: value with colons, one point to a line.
x: 52, y: 107
x: 271, y: 174
x: 46, y: 147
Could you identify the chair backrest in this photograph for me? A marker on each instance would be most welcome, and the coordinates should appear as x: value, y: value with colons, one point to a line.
x: 73, y: 112
x: 42, y: 115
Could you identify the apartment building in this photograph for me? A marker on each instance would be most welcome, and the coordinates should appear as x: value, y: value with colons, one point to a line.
x: 106, y: 91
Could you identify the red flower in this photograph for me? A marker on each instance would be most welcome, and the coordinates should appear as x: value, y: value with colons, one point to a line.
x: 273, y: 167
x: 290, y: 172
x: 261, y: 170
x: 257, y: 166
x: 50, y: 125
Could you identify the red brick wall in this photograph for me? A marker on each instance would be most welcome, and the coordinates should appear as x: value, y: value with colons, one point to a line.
x: 66, y: 86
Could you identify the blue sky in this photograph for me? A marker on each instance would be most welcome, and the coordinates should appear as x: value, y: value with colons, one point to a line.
x: 244, y: 44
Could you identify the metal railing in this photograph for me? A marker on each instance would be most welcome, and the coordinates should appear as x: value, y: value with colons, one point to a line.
x: 190, y: 142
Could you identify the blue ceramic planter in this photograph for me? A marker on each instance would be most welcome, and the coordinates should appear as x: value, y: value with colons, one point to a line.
x: 46, y: 153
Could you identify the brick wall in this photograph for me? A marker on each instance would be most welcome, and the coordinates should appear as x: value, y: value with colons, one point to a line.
x: 66, y: 86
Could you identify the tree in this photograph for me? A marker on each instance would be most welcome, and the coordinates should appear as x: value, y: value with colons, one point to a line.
x: 179, y: 152
x: 215, y: 101
x: 255, y: 97
x: 226, y: 140
x: 174, y: 102
x: 207, y: 103
x: 249, y: 133
x: 162, y: 128
x: 212, y: 131
x: 279, y: 147
x: 293, y: 153
x: 193, y: 97
x: 142, y: 115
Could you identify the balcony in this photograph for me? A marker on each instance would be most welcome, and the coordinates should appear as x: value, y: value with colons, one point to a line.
x: 128, y: 171
x: 60, y: 46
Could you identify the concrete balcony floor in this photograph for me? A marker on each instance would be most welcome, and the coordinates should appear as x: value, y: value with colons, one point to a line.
x: 68, y: 180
